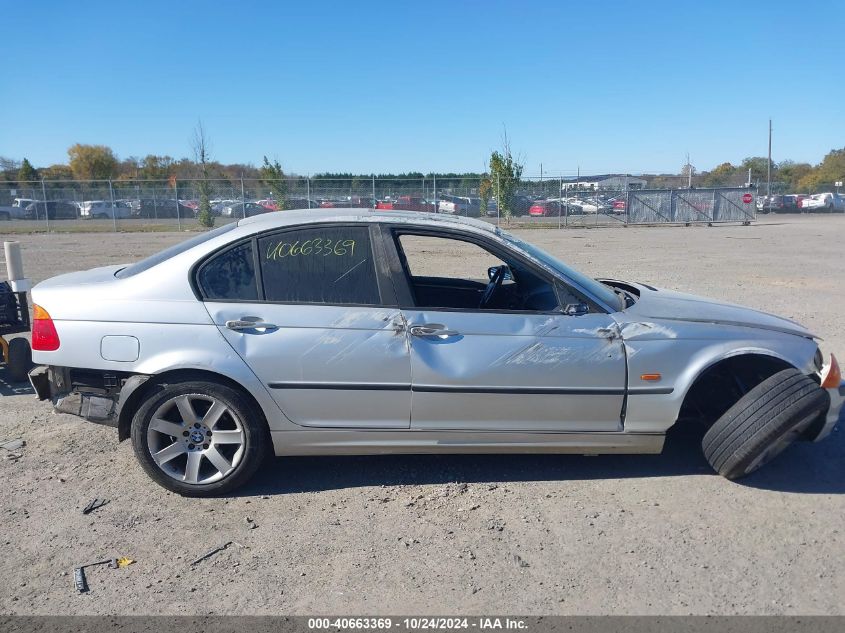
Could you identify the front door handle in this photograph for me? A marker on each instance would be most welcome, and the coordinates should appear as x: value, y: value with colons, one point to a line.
x: 238, y: 325
x: 432, y: 329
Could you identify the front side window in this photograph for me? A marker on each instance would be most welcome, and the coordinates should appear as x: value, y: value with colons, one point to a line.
x: 451, y: 273
x: 330, y: 265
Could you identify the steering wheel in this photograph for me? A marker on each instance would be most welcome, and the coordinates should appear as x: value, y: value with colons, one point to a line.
x: 493, y: 285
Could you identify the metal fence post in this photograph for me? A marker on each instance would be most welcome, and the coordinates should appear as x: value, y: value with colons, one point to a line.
x: 374, y: 191
x: 627, y: 204
x: 436, y: 206
x: 113, y: 210
x: 308, y: 190
x: 559, y: 200
x: 178, y: 210
x: 498, y: 202
x: 243, y: 198
x: 46, y: 212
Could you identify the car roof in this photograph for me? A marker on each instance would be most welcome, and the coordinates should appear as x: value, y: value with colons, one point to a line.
x: 311, y: 216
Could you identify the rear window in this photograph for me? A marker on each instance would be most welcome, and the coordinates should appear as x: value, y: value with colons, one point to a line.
x: 173, y: 251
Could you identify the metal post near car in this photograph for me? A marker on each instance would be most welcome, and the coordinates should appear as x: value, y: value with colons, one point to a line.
x: 434, y: 177
x: 113, y: 210
x: 243, y: 198
x: 559, y: 199
x: 178, y: 210
x: 308, y: 190
x: 374, y: 191
x: 46, y: 213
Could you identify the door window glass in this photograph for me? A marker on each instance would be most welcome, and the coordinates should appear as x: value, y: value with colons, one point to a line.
x: 331, y: 265
x: 229, y: 276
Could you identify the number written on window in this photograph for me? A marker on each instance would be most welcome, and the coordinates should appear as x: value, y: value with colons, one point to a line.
x: 332, y: 265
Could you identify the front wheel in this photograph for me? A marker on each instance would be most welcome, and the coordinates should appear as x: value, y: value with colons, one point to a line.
x: 199, y: 438
x: 763, y: 423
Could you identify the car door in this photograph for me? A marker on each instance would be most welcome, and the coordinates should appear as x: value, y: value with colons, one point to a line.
x: 533, y: 368
x: 314, y: 316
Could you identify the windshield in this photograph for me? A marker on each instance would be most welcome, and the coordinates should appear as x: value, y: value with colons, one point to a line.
x: 173, y: 251
x: 601, y: 292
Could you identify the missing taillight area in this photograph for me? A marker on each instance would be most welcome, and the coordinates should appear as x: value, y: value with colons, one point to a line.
x: 45, y: 338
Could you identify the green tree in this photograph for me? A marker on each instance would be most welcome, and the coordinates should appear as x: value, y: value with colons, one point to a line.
x: 758, y: 166
x: 273, y: 176
x: 485, y: 192
x: 202, y: 158
x: 830, y: 170
x: 92, y: 162
x: 505, y: 172
x: 27, y: 173
x: 720, y: 176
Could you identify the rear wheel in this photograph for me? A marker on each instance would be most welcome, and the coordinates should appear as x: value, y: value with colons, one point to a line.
x: 763, y: 423
x: 199, y: 438
x: 4, y: 215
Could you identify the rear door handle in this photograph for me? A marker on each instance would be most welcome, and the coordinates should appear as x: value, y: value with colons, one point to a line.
x: 432, y: 329
x: 238, y: 325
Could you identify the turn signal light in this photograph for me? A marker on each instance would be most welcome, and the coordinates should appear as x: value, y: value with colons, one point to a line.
x: 651, y: 377
x: 44, y: 335
x: 831, y: 375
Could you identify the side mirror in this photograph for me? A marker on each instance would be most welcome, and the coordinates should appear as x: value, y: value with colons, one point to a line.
x: 493, y: 269
x: 576, y: 309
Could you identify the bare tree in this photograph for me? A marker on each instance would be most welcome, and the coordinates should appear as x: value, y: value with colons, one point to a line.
x: 202, y: 157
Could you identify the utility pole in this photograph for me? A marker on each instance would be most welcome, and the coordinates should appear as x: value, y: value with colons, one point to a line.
x: 769, y: 164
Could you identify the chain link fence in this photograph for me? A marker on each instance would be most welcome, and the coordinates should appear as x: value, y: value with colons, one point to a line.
x: 175, y: 204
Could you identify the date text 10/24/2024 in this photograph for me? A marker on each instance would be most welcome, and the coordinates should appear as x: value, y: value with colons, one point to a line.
x: 417, y: 623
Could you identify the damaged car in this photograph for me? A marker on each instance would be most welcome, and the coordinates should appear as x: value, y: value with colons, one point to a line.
x: 356, y: 331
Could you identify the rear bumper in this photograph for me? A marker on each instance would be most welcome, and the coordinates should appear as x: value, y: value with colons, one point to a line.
x: 54, y: 384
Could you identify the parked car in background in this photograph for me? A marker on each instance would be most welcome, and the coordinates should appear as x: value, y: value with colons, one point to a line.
x: 152, y: 208
x: 462, y: 205
x: 770, y: 204
x: 269, y: 203
x: 405, y: 203
x: 53, y: 210
x: 824, y: 202
x: 545, y: 208
x: 14, y: 211
x: 100, y: 209
x: 244, y: 209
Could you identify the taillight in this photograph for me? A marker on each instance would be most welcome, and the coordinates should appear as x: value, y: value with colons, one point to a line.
x: 44, y: 335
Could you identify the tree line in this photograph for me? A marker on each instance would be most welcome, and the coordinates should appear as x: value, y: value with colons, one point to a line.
x: 99, y: 162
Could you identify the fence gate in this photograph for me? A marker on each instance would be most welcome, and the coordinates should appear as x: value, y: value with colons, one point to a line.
x: 691, y: 206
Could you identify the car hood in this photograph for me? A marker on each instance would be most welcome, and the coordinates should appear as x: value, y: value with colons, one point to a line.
x: 659, y: 303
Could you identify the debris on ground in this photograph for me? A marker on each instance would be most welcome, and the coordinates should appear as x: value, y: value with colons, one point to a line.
x: 94, y: 504
x: 81, y: 582
x: 12, y: 445
x: 518, y: 560
x: 214, y: 551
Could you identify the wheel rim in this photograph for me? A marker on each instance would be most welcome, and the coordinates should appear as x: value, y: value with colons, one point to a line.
x: 780, y: 445
x: 195, y: 439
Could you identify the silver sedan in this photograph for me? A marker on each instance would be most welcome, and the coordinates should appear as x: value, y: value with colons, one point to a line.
x: 356, y: 331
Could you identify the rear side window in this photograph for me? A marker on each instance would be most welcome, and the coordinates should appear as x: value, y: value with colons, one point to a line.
x: 331, y: 265
x: 229, y: 276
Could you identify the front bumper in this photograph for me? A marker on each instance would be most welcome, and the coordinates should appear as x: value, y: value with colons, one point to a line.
x: 836, y: 412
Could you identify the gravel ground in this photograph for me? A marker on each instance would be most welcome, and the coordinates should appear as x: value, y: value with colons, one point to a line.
x: 450, y: 534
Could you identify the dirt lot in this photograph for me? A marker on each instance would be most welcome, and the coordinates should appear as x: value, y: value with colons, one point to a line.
x: 551, y: 534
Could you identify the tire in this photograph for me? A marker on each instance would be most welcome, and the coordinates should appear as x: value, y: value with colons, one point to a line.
x: 763, y: 423
x: 4, y: 215
x: 20, y: 359
x: 246, y: 444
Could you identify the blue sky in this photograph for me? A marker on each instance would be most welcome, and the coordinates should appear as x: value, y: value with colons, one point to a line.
x: 427, y: 86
